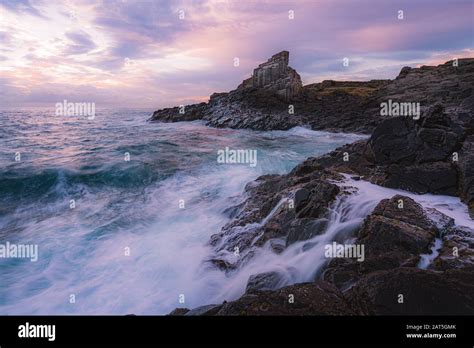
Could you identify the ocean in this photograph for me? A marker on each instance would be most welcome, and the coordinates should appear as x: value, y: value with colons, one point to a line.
x: 121, y: 210
x: 103, y: 201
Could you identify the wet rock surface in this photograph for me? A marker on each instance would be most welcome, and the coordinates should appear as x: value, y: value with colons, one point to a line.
x: 283, y: 209
x: 422, y: 292
x: 263, y: 281
x: 318, y: 298
x: 394, y: 235
x: 432, y: 154
x: 466, y: 172
x: 457, y: 250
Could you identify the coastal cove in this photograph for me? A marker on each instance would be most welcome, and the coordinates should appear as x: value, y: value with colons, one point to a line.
x: 139, y: 217
x: 242, y: 172
x: 405, y: 196
x: 128, y: 246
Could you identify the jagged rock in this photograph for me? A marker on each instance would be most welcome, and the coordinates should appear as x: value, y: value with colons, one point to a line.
x: 263, y: 281
x: 221, y: 264
x: 418, y: 155
x: 457, y: 250
x: 390, y: 228
x: 466, y: 173
x: 392, y: 237
x: 424, y: 292
x: 261, y: 102
x: 404, y: 72
x: 275, y: 75
x: 444, y: 83
x: 253, y: 226
x: 435, y: 177
x: 177, y: 114
x: 304, y: 229
x: 301, y: 197
x: 357, y: 160
x: 443, y: 223
x: 402, y: 153
x: 321, y: 196
x: 319, y: 298
x: 403, y: 141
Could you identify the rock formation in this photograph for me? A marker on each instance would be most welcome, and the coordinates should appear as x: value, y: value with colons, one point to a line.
x: 262, y: 101
x: 432, y: 154
x: 275, y: 75
x: 394, y: 239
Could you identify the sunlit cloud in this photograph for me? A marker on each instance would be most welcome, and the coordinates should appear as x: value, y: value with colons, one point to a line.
x: 161, y: 53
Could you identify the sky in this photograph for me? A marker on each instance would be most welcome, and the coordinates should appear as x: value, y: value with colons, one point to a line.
x: 159, y: 53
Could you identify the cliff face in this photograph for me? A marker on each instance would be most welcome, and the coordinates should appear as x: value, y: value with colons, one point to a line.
x: 263, y: 101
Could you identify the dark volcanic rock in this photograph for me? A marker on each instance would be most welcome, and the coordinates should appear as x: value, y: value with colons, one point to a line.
x: 267, y: 215
x: 394, y: 235
x: 436, y: 177
x: 320, y: 197
x: 301, y: 198
x: 457, y: 250
x: 433, y: 154
x: 422, y: 292
x: 183, y: 113
x: 397, y: 224
x: 263, y: 281
x: 403, y: 141
x: 304, y: 229
x: 466, y: 173
x: 445, y: 83
x: 318, y: 298
x: 263, y: 101
x: 418, y: 156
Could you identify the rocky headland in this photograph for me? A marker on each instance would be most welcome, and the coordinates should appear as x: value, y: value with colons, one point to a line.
x: 275, y: 98
x: 432, y: 152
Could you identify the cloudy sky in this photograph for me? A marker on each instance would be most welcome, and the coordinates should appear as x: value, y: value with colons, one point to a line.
x: 145, y: 54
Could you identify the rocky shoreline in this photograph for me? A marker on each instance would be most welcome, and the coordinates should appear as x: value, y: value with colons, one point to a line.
x: 279, y: 101
x: 432, y: 153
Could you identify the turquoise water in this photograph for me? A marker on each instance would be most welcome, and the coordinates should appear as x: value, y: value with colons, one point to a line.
x: 136, y: 237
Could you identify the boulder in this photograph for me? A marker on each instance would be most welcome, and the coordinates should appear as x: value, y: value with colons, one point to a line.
x: 319, y: 298
x: 412, y: 291
x: 435, y: 177
x: 319, y: 200
x: 301, y: 197
x: 457, y: 250
x: 264, y: 281
x: 393, y: 235
x: 304, y: 229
